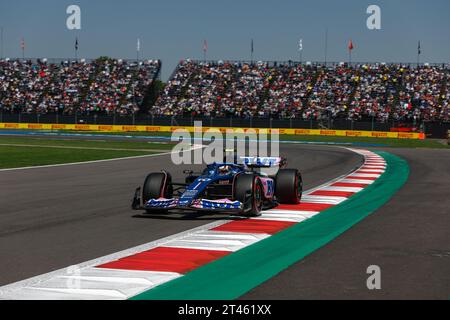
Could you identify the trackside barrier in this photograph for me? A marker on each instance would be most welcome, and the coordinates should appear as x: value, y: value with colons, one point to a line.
x: 130, y: 128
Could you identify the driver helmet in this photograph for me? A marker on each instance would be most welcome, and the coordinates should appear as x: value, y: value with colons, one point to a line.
x: 224, y: 170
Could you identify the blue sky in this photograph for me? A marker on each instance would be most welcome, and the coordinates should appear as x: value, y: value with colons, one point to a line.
x: 173, y: 29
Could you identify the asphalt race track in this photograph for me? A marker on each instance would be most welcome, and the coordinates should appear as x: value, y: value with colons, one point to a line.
x: 408, y: 238
x: 55, y: 217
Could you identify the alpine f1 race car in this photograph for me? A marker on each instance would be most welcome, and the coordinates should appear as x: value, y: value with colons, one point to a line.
x: 240, y: 189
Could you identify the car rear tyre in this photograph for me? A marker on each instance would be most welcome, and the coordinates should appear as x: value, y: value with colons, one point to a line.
x: 248, y: 189
x: 288, y: 186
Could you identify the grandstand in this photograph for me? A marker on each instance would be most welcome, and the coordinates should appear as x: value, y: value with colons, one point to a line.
x: 362, y: 96
x: 101, y: 86
x: 357, y: 92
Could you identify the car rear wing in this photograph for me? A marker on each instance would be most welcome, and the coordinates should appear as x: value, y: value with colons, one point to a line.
x: 263, y: 162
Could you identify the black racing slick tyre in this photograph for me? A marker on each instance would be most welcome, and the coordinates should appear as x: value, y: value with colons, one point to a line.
x: 288, y: 186
x: 248, y: 189
x: 157, y: 185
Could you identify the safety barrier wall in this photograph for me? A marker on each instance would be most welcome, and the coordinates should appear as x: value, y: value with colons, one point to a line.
x: 131, y: 128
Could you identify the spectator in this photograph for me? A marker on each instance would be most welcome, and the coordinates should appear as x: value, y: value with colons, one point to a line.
x: 309, y: 92
x: 102, y: 86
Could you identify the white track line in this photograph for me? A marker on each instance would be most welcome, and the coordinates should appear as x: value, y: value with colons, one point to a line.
x: 288, y: 217
x: 357, y: 181
x: 344, y: 189
x: 366, y: 175
x: 95, y: 283
x: 305, y: 214
x: 323, y: 199
x: 217, y: 240
x: 370, y: 171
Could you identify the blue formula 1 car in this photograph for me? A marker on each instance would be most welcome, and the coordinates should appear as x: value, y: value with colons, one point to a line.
x: 241, y: 189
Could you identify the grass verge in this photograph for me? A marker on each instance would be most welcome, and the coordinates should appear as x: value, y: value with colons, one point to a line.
x: 16, y: 152
x: 83, y: 142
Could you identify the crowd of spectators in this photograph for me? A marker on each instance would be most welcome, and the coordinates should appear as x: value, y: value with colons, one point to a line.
x: 196, y: 89
x: 374, y: 92
x: 103, y: 86
x: 360, y: 92
x: 22, y: 85
x: 215, y: 89
x: 331, y: 93
x: 422, y: 94
x: 288, y: 92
